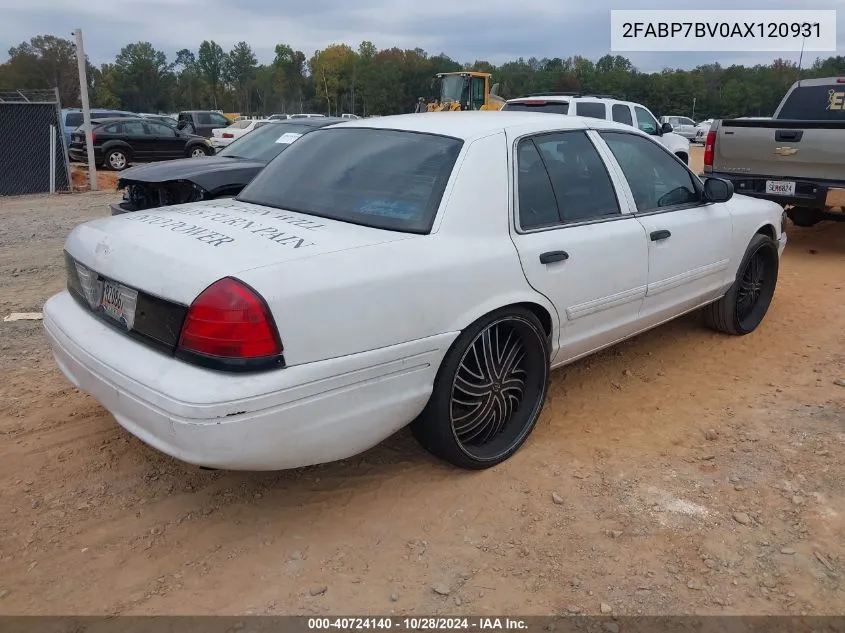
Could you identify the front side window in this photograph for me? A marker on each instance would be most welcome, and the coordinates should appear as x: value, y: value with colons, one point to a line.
x: 645, y: 121
x: 387, y: 179
x: 216, y: 118
x: 656, y: 178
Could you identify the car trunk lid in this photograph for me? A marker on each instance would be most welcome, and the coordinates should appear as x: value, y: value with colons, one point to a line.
x: 176, y: 253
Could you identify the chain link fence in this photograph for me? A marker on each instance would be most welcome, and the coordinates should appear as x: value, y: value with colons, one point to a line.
x: 33, y: 156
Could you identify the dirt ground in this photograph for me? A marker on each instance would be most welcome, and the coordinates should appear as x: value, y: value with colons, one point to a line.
x: 681, y: 472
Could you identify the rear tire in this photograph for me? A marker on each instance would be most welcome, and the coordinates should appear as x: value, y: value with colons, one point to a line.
x: 117, y: 160
x: 489, y: 391
x: 745, y: 304
x: 198, y: 151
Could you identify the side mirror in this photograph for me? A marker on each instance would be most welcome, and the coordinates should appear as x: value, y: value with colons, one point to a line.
x: 718, y: 190
x: 666, y: 128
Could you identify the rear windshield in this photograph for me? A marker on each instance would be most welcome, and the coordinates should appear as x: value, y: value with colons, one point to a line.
x: 553, y: 107
x: 73, y: 119
x: 387, y: 179
x: 815, y: 103
x: 265, y: 143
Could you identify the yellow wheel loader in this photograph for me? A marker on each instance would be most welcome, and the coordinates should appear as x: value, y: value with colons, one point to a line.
x: 468, y: 90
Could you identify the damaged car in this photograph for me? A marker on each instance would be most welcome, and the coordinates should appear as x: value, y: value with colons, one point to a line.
x: 220, y: 176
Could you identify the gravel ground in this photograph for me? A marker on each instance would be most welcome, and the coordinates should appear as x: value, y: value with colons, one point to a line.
x: 680, y: 472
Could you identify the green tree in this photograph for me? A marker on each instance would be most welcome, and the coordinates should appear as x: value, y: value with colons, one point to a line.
x: 211, y: 61
x: 144, y: 78
x: 240, y: 68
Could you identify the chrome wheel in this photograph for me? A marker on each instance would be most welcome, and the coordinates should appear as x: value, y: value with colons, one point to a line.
x: 197, y: 152
x: 488, y: 386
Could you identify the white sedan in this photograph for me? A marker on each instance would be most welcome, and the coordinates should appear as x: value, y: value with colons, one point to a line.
x: 424, y: 270
x: 223, y: 136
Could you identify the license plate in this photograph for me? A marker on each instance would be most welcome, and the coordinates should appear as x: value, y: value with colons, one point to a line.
x: 780, y: 187
x: 119, y: 303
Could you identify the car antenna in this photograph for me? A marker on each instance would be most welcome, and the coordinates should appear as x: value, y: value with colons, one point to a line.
x: 801, y: 60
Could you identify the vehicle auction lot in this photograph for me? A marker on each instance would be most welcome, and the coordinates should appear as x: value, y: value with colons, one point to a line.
x: 683, y: 471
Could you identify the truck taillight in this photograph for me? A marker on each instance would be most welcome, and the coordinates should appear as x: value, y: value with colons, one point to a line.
x: 709, y: 148
x: 228, y: 322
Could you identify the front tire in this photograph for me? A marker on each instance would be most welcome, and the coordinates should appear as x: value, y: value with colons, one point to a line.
x: 488, y: 392
x: 745, y: 304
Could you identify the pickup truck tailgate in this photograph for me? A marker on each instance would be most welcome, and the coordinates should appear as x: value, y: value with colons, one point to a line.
x: 790, y: 149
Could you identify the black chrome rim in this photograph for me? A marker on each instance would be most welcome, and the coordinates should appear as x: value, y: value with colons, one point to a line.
x: 497, y: 388
x: 756, y: 288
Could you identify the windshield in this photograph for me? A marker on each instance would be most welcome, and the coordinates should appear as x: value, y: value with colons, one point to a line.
x: 815, y: 103
x: 387, y: 179
x: 452, y: 88
x: 266, y: 142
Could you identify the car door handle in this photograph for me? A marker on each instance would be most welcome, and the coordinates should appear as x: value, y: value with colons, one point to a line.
x: 656, y: 236
x: 553, y: 256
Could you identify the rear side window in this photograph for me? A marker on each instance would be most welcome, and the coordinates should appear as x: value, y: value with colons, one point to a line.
x: 537, y: 203
x: 386, y: 179
x: 810, y: 103
x: 582, y: 186
x: 552, y: 107
x: 74, y: 119
x: 622, y: 114
x: 135, y: 128
x: 113, y: 128
x: 594, y: 110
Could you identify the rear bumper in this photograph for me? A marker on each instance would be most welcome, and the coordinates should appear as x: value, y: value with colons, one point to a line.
x: 297, y: 416
x: 812, y: 194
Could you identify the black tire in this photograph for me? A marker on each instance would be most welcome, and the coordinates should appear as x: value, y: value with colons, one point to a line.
x: 117, y: 159
x: 501, y: 406
x: 745, y: 304
x: 193, y: 151
x: 803, y: 217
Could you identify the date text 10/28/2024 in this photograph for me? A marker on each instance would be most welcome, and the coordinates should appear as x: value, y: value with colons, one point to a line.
x: 416, y: 624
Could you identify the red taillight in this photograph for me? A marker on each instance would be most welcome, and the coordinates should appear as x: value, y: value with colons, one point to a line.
x: 840, y: 80
x: 228, y: 135
x: 709, y: 148
x: 229, y: 320
x: 93, y: 138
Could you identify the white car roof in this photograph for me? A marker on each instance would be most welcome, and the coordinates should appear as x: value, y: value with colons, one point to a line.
x: 469, y: 125
x: 553, y: 97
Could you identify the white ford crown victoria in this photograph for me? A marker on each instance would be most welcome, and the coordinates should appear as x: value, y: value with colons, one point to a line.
x: 409, y: 269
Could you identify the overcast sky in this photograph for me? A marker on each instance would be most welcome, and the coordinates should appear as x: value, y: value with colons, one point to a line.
x: 493, y: 30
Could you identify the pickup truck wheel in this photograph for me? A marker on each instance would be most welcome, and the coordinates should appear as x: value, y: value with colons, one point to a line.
x: 803, y: 217
x: 488, y: 392
x: 745, y: 304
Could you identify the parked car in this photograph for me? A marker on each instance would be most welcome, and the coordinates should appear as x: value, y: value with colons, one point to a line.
x: 120, y: 142
x: 605, y: 108
x: 349, y: 115
x: 375, y: 275
x: 202, y: 122
x: 701, y: 130
x: 221, y: 176
x: 680, y: 125
x: 72, y: 118
x: 795, y: 158
x: 223, y: 136
x: 306, y: 115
